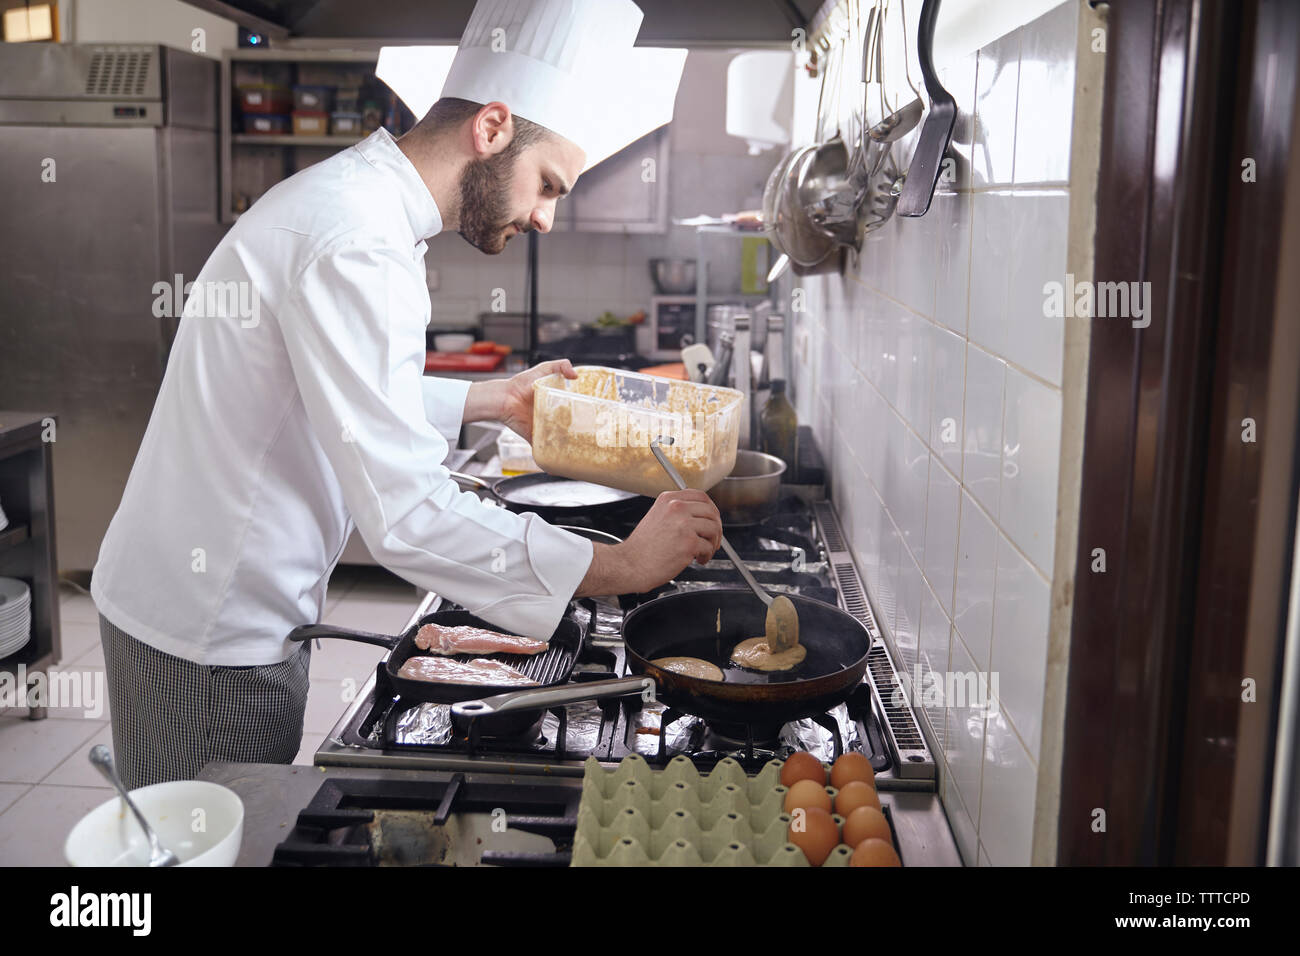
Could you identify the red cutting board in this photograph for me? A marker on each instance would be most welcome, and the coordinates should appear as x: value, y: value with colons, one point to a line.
x: 461, y: 362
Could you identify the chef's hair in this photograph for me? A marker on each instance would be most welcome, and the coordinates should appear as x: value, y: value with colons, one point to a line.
x: 449, y: 113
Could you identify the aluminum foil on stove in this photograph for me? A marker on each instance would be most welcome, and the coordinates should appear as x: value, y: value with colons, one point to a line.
x: 583, y: 732
x: 677, y: 736
x: 427, y: 724
x: 817, y: 740
x: 430, y: 725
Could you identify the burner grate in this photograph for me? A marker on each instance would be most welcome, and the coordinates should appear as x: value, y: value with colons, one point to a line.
x: 451, y: 822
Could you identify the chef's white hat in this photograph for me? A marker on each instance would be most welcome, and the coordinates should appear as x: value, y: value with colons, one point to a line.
x: 568, y: 65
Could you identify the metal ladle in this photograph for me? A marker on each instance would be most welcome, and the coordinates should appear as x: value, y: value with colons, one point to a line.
x: 782, y: 623
x: 159, y: 855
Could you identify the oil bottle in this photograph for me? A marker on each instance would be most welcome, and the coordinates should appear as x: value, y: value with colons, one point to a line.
x: 780, y: 429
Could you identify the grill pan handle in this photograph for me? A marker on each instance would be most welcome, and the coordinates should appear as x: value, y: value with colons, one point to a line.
x: 544, y: 697
x: 309, y: 632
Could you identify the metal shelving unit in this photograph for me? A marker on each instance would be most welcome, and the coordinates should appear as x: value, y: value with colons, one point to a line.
x: 702, y: 273
x: 230, y: 140
x: 27, y: 545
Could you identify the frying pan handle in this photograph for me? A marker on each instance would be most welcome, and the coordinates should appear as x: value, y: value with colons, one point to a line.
x: 310, y: 632
x: 470, y: 482
x: 544, y: 697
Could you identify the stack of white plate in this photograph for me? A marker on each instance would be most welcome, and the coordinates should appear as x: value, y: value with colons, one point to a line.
x: 15, y: 616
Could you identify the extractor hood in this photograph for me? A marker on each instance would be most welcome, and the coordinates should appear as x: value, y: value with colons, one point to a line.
x: 667, y: 22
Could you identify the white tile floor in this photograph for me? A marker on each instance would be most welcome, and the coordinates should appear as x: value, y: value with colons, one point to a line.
x: 46, y: 782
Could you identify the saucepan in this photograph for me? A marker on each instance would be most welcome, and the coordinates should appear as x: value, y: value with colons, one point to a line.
x: 749, y: 494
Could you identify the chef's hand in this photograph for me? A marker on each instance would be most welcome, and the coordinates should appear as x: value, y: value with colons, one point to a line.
x: 680, y: 527
x: 510, y: 400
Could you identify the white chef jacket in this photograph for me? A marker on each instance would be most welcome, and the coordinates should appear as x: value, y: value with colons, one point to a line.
x: 278, y: 427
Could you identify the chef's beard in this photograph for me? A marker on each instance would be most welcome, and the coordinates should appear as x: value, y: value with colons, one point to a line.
x: 484, y: 213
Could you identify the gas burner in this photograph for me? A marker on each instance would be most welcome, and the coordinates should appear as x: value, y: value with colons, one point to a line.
x: 751, y: 761
x: 364, y: 822
x: 381, y: 729
x: 722, y: 735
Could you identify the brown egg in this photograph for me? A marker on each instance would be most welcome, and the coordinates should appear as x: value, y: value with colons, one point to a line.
x: 874, y: 853
x: 816, y: 834
x: 807, y: 793
x: 852, y: 766
x: 802, y: 766
x: 866, y: 823
x: 855, y: 794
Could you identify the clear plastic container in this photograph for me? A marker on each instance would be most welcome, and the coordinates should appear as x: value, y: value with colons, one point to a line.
x: 515, y: 454
x: 598, y: 428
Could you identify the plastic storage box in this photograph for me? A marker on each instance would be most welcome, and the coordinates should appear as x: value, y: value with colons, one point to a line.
x: 310, y: 124
x: 313, y: 99
x: 515, y: 454
x: 599, y: 427
x: 265, y: 98
x: 267, y: 124
x: 347, y: 99
x: 345, y: 124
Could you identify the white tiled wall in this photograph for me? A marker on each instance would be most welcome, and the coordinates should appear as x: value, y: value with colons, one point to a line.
x: 932, y: 380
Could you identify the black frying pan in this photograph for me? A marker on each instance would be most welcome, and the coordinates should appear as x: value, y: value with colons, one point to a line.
x: 551, y: 666
x: 562, y: 500
x: 684, y: 624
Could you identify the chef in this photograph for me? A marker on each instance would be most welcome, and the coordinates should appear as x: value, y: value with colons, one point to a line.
x: 278, y: 429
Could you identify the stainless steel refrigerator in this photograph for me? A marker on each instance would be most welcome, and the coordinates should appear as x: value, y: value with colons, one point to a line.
x: 108, y: 160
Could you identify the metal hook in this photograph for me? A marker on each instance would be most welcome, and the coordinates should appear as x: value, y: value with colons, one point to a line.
x: 907, y: 60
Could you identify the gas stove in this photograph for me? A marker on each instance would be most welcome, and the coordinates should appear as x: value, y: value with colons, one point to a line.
x: 799, y: 550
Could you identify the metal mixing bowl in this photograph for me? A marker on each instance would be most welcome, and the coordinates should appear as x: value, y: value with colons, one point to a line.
x: 673, y: 276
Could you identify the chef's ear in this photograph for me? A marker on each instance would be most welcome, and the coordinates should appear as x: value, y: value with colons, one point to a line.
x: 491, y: 129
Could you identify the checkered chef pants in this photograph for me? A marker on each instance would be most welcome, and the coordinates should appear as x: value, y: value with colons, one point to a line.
x: 172, y: 716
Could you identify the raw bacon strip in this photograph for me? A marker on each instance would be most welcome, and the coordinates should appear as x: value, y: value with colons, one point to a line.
x: 442, y: 670
x: 464, y: 639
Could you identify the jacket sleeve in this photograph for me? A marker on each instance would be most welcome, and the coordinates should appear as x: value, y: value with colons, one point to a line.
x: 444, y: 404
x: 356, y: 344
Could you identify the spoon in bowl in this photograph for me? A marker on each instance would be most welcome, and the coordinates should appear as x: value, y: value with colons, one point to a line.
x: 159, y: 855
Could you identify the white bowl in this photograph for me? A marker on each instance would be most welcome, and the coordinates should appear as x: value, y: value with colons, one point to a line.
x: 109, y: 835
x: 452, y: 342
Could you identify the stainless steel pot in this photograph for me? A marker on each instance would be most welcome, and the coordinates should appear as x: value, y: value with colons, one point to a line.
x: 722, y: 318
x: 749, y: 494
x: 673, y: 276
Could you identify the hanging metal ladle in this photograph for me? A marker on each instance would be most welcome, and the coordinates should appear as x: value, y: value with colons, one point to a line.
x: 838, y: 191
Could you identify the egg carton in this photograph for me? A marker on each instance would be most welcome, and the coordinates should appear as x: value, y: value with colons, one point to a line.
x: 636, y: 816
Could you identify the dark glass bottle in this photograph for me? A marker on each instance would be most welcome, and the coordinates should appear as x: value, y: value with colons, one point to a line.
x: 780, y: 428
